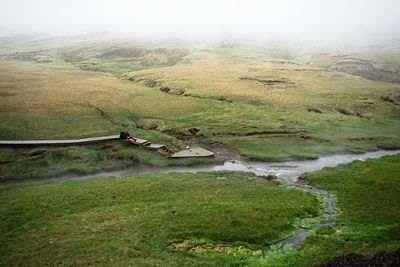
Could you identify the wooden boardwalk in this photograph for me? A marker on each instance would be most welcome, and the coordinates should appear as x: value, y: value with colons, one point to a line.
x: 192, y: 152
x: 81, y: 141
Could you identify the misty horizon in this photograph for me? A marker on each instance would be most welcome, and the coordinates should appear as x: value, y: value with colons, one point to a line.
x: 305, y: 21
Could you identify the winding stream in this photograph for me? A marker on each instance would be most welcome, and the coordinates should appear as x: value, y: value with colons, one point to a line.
x: 326, y: 217
x: 286, y: 172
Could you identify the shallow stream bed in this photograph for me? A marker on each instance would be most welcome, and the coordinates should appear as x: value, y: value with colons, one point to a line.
x: 287, y: 171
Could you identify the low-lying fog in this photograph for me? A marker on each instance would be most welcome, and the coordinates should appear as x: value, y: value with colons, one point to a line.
x: 315, y: 21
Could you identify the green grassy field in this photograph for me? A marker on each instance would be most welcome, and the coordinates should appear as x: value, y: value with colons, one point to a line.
x: 263, y: 104
x: 203, y: 219
x: 134, y: 220
x: 368, y: 199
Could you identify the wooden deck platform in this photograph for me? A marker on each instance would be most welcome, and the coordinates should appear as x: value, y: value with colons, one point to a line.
x: 81, y: 141
x: 140, y: 142
x: 155, y: 146
x: 192, y: 152
x: 146, y: 144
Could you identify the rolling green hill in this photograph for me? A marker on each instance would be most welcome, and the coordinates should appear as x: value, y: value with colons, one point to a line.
x: 266, y: 104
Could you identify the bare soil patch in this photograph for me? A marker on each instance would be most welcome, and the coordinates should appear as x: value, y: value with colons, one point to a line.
x: 178, y: 244
x: 392, y: 98
x: 267, y: 80
x: 316, y: 110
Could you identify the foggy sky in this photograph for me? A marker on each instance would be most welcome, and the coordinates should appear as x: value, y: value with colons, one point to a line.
x: 316, y: 20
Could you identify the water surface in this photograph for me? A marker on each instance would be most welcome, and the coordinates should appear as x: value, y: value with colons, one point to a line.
x: 287, y: 171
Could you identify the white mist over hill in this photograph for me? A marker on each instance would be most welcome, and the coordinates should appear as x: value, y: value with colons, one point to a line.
x: 302, y: 20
